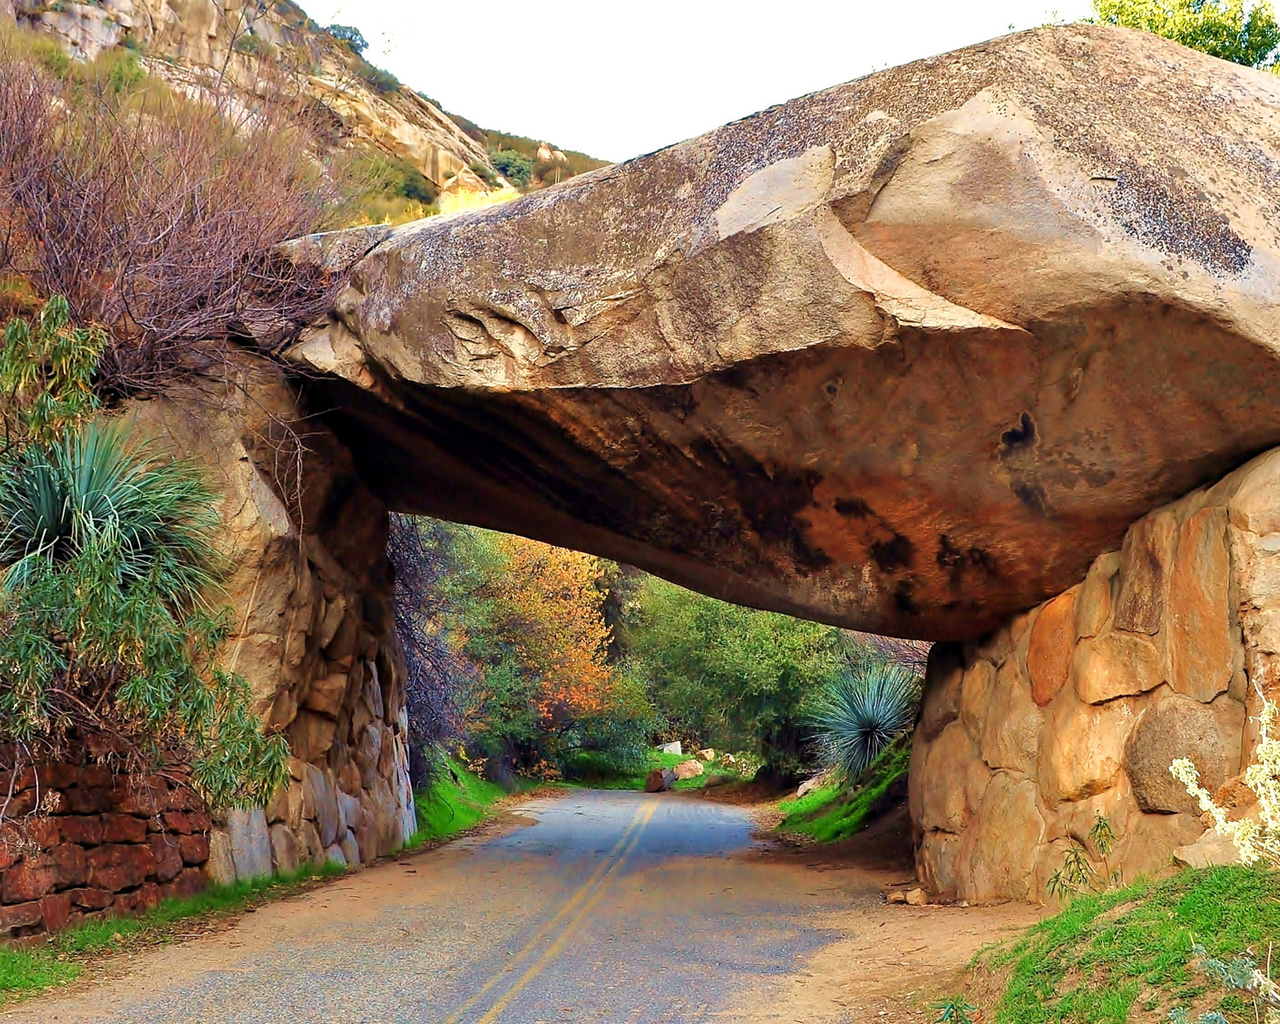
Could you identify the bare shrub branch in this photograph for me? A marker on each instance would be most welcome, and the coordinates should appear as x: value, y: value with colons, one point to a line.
x: 420, y: 552
x: 156, y: 212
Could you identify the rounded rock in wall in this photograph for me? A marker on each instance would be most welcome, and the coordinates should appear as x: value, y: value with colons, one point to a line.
x: 1116, y: 665
x: 1174, y: 728
x: 1000, y: 850
x: 976, y: 696
x: 940, y: 786
x: 936, y: 861
x: 1082, y: 747
x: 1011, y: 735
x: 1201, y: 633
x: 285, y: 849
x: 1093, y: 603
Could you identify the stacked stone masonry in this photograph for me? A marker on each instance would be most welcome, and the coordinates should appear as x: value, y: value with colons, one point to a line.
x: 311, y: 589
x: 79, y: 841
x: 1078, y: 707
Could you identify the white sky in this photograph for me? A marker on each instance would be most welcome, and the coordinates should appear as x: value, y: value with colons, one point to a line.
x: 617, y: 80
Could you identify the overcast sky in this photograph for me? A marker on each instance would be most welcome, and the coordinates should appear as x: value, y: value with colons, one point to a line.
x: 617, y: 80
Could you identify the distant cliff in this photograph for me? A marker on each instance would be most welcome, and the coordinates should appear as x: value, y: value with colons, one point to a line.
x: 260, y: 45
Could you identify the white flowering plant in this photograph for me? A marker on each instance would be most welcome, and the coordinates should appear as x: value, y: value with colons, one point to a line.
x: 1256, y: 837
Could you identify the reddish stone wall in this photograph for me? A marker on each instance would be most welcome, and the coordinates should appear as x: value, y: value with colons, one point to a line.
x: 79, y: 841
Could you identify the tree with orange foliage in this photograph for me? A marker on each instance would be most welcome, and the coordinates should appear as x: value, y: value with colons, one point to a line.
x: 530, y: 618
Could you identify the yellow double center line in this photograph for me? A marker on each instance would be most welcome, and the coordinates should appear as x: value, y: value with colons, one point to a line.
x: 570, y: 916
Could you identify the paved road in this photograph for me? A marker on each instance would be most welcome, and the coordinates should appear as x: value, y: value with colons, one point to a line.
x: 610, y: 907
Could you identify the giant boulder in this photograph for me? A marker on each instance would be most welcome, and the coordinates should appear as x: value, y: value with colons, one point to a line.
x: 904, y: 355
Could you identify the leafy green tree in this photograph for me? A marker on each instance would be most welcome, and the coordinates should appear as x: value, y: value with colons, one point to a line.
x: 515, y: 167
x: 1241, y: 32
x: 729, y: 675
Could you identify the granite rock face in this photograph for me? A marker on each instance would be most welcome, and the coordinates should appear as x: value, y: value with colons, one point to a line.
x: 311, y: 590
x: 255, y: 47
x: 905, y: 355
x: 1173, y: 644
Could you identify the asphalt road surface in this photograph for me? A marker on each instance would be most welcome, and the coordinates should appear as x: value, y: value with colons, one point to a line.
x: 613, y: 907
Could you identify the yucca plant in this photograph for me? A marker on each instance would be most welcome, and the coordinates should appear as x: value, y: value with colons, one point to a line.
x: 104, y: 627
x: 92, y: 488
x: 863, y: 710
x: 107, y: 564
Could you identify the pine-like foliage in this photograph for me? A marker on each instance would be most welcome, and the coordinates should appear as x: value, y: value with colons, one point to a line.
x: 862, y: 711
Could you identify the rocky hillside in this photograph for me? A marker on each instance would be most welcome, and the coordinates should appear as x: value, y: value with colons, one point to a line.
x: 265, y: 44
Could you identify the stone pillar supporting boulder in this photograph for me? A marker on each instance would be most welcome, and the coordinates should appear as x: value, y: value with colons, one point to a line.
x: 1077, y: 708
x: 311, y: 590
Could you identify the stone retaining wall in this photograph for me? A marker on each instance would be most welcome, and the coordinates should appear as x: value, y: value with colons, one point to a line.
x: 1077, y: 708
x: 311, y: 589
x: 78, y: 842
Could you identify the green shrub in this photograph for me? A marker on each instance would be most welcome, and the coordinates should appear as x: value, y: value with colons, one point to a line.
x: 47, y: 372
x: 253, y: 46
x: 106, y: 555
x: 485, y: 173
x: 515, y: 167
x: 380, y: 81
x: 1241, y: 976
x: 51, y: 56
x: 417, y: 186
x: 124, y: 71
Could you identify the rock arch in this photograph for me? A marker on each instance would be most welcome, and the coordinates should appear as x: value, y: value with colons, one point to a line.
x: 911, y: 355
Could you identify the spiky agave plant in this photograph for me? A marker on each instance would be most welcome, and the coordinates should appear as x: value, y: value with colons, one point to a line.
x: 92, y: 489
x: 863, y: 710
x: 107, y: 554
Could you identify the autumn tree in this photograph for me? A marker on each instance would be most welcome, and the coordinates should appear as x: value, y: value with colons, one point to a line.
x: 530, y: 618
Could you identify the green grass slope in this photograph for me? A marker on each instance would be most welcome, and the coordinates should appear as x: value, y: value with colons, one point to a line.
x: 1125, y: 956
x: 455, y: 802
x: 832, y: 813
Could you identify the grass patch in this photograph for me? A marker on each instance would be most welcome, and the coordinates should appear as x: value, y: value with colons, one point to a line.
x: 657, y: 759
x: 62, y: 957
x: 1125, y: 955
x: 831, y: 813
x: 456, y: 801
